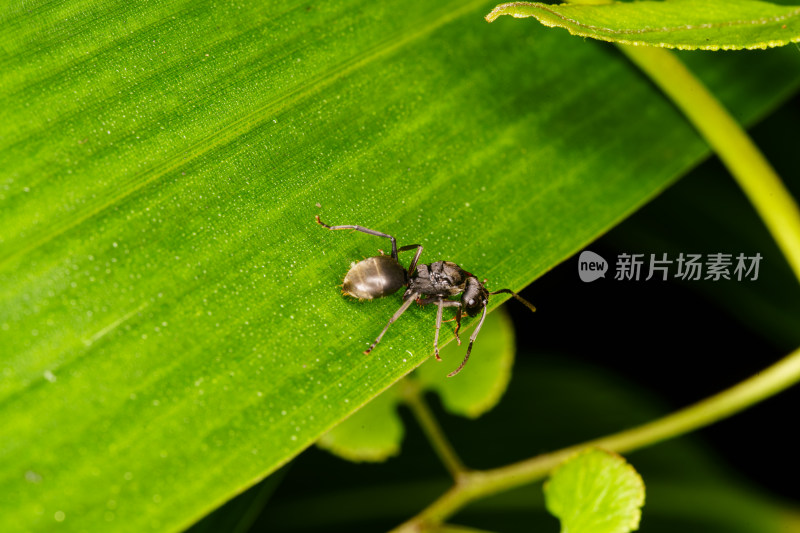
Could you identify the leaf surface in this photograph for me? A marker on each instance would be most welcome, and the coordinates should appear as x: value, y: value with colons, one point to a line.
x: 682, y: 24
x: 171, y: 330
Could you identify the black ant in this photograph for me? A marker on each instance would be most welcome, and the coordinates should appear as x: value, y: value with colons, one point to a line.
x: 382, y: 275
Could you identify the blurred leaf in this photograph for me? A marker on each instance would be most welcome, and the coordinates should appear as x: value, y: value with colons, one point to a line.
x: 683, y: 24
x: 170, y: 327
x: 373, y: 433
x: 595, y: 491
x: 718, y: 506
x: 482, y: 382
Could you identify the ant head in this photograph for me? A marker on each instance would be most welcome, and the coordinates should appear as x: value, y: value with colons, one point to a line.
x: 475, y: 296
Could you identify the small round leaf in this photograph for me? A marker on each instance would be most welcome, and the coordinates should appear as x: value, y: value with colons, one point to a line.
x: 482, y: 382
x: 595, y: 491
x: 373, y: 433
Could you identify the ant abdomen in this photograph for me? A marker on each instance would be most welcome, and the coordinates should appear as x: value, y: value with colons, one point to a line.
x: 374, y: 277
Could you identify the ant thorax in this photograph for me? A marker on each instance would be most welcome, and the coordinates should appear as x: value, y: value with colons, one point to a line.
x: 442, y: 278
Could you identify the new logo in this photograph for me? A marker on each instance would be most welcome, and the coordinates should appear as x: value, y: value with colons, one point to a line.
x: 591, y: 266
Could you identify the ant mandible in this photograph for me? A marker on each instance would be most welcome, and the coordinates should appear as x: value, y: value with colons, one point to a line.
x: 382, y: 275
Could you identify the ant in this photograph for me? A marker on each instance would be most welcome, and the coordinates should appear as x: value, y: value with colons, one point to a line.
x: 382, y: 275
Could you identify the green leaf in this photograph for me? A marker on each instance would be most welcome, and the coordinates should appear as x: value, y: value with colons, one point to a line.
x: 482, y: 382
x: 595, y: 492
x: 170, y: 327
x: 682, y: 24
x: 373, y: 433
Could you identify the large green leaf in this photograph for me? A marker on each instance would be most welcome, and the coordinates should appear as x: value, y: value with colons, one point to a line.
x: 171, y: 331
x: 683, y: 24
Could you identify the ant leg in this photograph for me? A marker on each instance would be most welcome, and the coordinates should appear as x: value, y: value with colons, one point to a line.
x: 442, y: 303
x: 397, y: 314
x: 525, y: 302
x: 457, y: 318
x: 469, y: 349
x: 455, y: 303
x: 363, y: 230
x: 438, y: 326
x: 458, y: 324
x: 413, y: 264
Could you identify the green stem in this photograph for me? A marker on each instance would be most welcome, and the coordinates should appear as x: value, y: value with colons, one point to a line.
x: 477, y: 484
x: 412, y: 395
x: 752, y: 171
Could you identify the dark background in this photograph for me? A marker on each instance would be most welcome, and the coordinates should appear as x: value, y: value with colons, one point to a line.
x: 686, y: 340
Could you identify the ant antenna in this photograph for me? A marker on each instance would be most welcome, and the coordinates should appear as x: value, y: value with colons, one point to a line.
x: 525, y: 302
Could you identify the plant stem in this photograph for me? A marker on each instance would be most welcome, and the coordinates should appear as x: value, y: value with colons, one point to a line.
x: 412, y: 395
x: 476, y: 484
x: 747, y: 164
